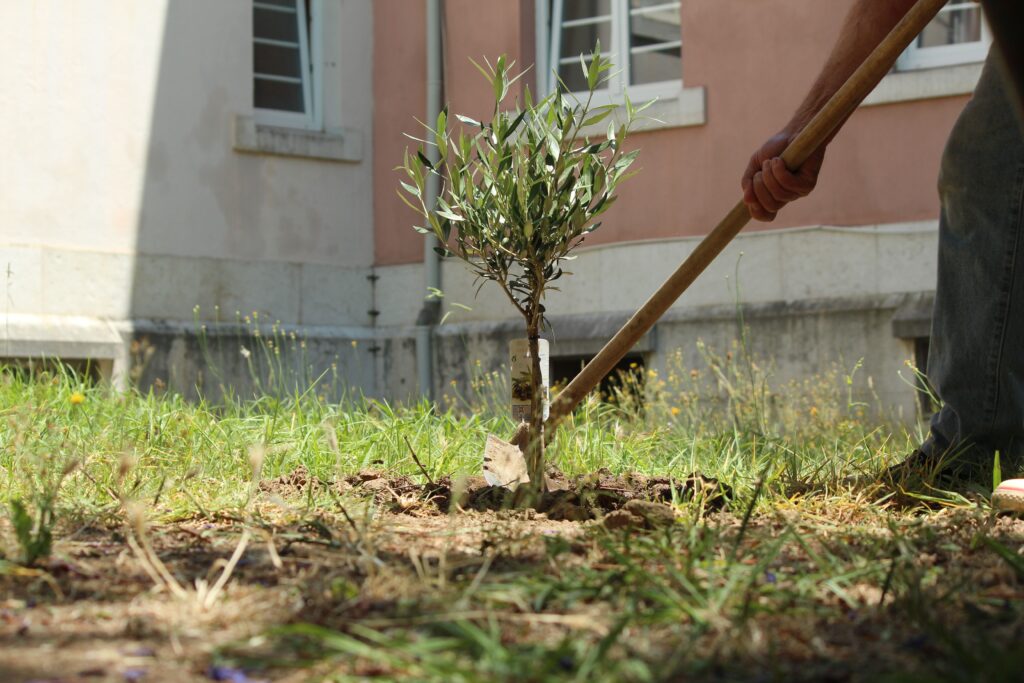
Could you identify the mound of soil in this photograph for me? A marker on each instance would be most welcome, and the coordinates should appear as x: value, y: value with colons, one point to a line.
x: 577, y: 498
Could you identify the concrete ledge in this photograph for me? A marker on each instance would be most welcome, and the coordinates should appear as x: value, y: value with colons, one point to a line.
x: 913, y: 319
x: 346, y: 333
x: 687, y: 108
x: 924, y: 84
x: 574, y: 335
x: 780, y: 309
x: 51, y: 336
x: 791, y: 264
x: 586, y: 334
x: 344, y: 145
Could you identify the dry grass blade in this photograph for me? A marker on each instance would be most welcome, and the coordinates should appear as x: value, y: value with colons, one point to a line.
x: 207, y: 598
x: 151, y: 563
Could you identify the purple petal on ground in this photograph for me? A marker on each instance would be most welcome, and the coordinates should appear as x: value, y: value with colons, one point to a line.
x: 230, y: 674
x: 134, y: 674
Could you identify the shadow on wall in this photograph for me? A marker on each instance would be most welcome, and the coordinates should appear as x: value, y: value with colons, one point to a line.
x: 238, y: 285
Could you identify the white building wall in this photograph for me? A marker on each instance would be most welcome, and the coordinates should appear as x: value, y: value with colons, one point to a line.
x: 136, y: 188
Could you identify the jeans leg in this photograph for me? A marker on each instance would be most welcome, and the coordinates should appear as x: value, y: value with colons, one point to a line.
x: 976, y: 361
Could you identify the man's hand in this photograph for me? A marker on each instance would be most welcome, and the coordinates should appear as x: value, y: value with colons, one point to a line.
x: 768, y: 185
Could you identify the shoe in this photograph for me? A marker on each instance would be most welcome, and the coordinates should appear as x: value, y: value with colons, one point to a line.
x: 947, y: 468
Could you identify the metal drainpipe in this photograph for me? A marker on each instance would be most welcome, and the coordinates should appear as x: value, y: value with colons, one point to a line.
x: 540, y: 30
x: 430, y: 313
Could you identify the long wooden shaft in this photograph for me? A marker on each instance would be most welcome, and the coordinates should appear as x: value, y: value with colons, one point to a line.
x: 814, y: 134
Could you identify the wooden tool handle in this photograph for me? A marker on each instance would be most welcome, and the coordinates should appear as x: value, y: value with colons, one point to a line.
x: 814, y: 134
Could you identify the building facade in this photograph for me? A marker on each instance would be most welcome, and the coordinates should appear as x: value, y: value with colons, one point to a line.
x: 181, y: 173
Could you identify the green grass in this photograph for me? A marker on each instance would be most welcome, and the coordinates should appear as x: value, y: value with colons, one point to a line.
x: 801, y: 578
x: 189, y: 456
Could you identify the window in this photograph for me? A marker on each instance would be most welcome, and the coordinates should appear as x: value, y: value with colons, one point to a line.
x: 958, y: 35
x: 642, y: 37
x: 285, y: 45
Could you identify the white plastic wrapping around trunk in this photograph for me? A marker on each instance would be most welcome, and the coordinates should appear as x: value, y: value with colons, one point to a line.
x: 520, y: 362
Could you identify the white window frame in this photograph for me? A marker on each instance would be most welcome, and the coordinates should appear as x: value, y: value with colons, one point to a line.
x: 916, y: 57
x: 311, y: 61
x: 619, y: 81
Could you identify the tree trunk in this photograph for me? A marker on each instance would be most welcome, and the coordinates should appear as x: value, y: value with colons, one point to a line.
x: 535, y: 446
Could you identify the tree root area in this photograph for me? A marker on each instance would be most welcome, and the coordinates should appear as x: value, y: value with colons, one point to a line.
x: 568, y: 498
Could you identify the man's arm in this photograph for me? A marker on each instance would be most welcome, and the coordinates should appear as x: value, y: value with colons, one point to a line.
x: 767, y: 184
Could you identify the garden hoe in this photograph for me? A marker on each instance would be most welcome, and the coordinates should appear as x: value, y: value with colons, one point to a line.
x: 504, y: 461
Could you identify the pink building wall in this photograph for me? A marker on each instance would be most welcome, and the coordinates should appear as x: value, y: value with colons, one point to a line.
x: 755, y: 59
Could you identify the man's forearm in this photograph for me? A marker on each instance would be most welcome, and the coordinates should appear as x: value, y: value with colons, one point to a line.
x: 866, y: 24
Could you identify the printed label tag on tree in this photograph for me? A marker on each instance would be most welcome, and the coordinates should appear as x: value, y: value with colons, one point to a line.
x: 519, y: 361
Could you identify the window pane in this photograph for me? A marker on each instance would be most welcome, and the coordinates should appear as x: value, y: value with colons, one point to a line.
x: 952, y: 27
x: 572, y: 75
x: 268, y: 23
x: 656, y: 66
x: 278, y: 95
x: 277, y: 60
x: 585, y: 9
x: 655, y: 40
x: 649, y: 24
x: 279, y: 41
x: 577, y: 40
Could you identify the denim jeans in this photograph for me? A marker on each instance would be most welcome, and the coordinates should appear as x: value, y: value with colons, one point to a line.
x: 976, y: 359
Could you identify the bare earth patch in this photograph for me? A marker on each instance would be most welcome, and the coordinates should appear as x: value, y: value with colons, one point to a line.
x: 415, y: 589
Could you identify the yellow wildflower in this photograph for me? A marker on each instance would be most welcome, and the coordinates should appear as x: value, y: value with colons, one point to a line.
x: 77, y: 398
x: 675, y: 411
x: 814, y: 411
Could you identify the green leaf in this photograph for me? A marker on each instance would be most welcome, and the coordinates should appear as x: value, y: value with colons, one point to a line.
x: 515, y: 123
x: 34, y: 536
x: 500, y: 80
x: 424, y: 160
x: 22, y: 522
x: 454, y: 217
x: 554, y: 149
x: 605, y: 112
x: 441, y: 122
x: 469, y: 121
x: 594, y: 72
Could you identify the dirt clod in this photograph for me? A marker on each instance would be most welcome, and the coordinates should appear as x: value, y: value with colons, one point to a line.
x: 622, y: 519
x: 653, y: 514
